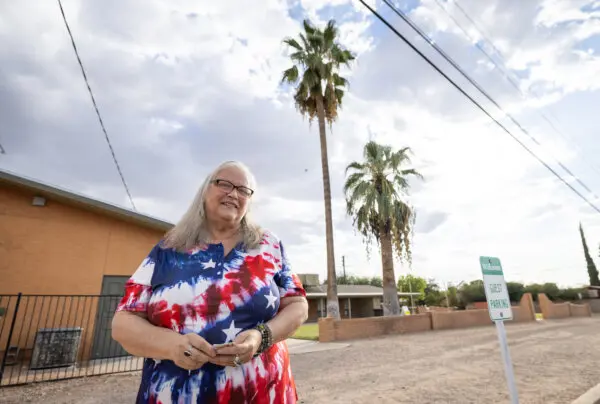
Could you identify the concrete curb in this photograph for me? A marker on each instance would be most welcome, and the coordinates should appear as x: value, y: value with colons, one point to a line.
x: 592, y: 396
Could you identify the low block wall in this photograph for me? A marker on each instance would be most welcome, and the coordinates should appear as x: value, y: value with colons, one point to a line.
x: 551, y: 310
x: 521, y: 315
x: 580, y: 310
x: 424, y: 310
x: 460, y: 319
x: 332, y: 330
x: 594, y: 305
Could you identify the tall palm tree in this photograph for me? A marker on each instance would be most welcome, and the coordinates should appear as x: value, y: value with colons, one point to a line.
x: 375, y: 199
x: 319, y: 89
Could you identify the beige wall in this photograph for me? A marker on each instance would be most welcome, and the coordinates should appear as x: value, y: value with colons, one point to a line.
x: 332, y: 330
x: 551, y: 310
x: 59, y: 249
x: 580, y: 310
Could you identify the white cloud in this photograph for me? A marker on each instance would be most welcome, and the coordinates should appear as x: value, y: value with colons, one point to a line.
x: 554, y: 12
x: 540, y: 41
x: 171, y: 77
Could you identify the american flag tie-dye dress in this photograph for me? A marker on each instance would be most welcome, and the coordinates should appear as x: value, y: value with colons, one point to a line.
x: 217, y: 297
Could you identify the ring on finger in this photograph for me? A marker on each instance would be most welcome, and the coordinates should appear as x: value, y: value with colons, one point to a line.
x: 237, y: 361
x: 188, y: 352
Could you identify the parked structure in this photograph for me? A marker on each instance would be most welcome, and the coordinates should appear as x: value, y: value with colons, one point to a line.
x: 356, y: 301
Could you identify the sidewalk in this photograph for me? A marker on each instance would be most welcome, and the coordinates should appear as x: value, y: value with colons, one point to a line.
x: 299, y: 346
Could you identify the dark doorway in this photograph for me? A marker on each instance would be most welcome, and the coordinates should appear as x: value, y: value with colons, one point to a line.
x: 104, y: 346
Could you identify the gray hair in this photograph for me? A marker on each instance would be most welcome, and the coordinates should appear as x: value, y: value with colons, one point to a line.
x: 191, y: 229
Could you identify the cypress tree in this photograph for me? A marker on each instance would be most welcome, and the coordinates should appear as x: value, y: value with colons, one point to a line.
x: 591, y: 267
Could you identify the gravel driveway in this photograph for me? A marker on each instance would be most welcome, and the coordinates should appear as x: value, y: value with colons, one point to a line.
x: 555, y: 362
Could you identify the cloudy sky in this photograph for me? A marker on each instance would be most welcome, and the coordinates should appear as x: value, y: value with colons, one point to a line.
x: 183, y: 85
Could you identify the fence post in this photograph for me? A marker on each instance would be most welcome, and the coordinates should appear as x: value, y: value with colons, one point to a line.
x: 10, y: 333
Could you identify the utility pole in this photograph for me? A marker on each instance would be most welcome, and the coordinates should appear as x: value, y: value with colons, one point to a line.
x: 344, y: 268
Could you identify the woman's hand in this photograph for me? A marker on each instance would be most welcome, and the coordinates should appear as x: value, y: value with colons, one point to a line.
x: 191, y: 351
x: 244, y: 346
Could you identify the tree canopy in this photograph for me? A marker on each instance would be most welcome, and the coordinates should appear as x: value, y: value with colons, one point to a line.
x: 317, y: 58
x: 376, y: 196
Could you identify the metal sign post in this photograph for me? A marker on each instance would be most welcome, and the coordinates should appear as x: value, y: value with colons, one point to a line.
x: 500, y: 310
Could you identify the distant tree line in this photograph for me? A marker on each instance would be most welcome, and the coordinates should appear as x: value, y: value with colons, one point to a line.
x: 463, y: 294
x: 358, y: 280
x: 431, y: 294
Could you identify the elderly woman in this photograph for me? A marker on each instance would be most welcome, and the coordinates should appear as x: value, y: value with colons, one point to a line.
x: 212, y: 303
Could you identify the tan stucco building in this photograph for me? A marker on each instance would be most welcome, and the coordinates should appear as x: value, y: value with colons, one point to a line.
x: 57, y: 242
x: 61, y: 251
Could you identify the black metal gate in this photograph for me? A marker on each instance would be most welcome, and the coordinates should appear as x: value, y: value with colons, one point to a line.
x: 52, y: 337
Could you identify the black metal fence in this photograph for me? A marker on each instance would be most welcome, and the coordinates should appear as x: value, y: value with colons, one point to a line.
x: 53, y: 337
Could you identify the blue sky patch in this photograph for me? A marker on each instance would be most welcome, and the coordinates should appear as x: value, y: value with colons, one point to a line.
x: 296, y: 11
x: 592, y: 42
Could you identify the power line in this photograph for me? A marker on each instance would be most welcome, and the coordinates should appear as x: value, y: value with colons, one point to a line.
x: 463, y: 92
x: 453, y: 63
x: 495, y: 49
x: 478, y: 46
x: 504, y: 70
x: 477, y: 28
x: 112, y: 152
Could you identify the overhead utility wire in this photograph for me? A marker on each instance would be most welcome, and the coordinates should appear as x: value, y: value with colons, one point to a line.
x: 483, y: 35
x: 496, y: 50
x: 449, y: 59
x: 478, y: 46
x: 405, y: 40
x: 112, y: 152
x: 504, y: 70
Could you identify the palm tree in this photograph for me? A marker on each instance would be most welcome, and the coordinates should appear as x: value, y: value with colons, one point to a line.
x: 319, y: 89
x: 375, y: 199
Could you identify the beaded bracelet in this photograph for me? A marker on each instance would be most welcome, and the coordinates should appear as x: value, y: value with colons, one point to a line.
x: 267, y: 338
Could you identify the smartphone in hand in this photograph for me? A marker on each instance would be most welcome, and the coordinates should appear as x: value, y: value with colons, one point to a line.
x: 218, y: 346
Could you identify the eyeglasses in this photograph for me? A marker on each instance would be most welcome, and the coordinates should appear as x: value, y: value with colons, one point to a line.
x: 228, y: 187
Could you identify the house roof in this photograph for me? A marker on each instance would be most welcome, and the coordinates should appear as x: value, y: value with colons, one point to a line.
x: 59, y: 194
x: 349, y: 291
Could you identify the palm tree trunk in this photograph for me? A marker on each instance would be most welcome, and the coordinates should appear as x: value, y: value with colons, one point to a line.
x: 333, y: 306
x: 391, y: 305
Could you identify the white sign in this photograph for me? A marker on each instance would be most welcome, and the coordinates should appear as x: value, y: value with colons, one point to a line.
x: 499, y: 308
x: 496, y: 292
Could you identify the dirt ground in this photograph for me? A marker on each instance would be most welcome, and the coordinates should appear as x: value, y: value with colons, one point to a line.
x: 554, y: 361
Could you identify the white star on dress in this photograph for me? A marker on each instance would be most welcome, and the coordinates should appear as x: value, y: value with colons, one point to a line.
x: 271, y: 299
x: 209, y: 264
x: 231, y: 332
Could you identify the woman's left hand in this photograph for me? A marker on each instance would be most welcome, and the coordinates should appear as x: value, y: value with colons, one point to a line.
x: 245, y: 345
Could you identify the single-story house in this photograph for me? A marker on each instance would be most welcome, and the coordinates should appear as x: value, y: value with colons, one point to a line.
x: 355, y: 301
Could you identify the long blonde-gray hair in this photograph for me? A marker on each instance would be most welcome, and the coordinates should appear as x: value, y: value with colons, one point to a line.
x: 191, y: 229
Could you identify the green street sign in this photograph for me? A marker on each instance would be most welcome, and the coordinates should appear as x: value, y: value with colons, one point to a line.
x: 496, y: 292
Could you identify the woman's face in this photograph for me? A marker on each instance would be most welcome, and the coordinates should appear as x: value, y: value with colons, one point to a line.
x: 224, y: 202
